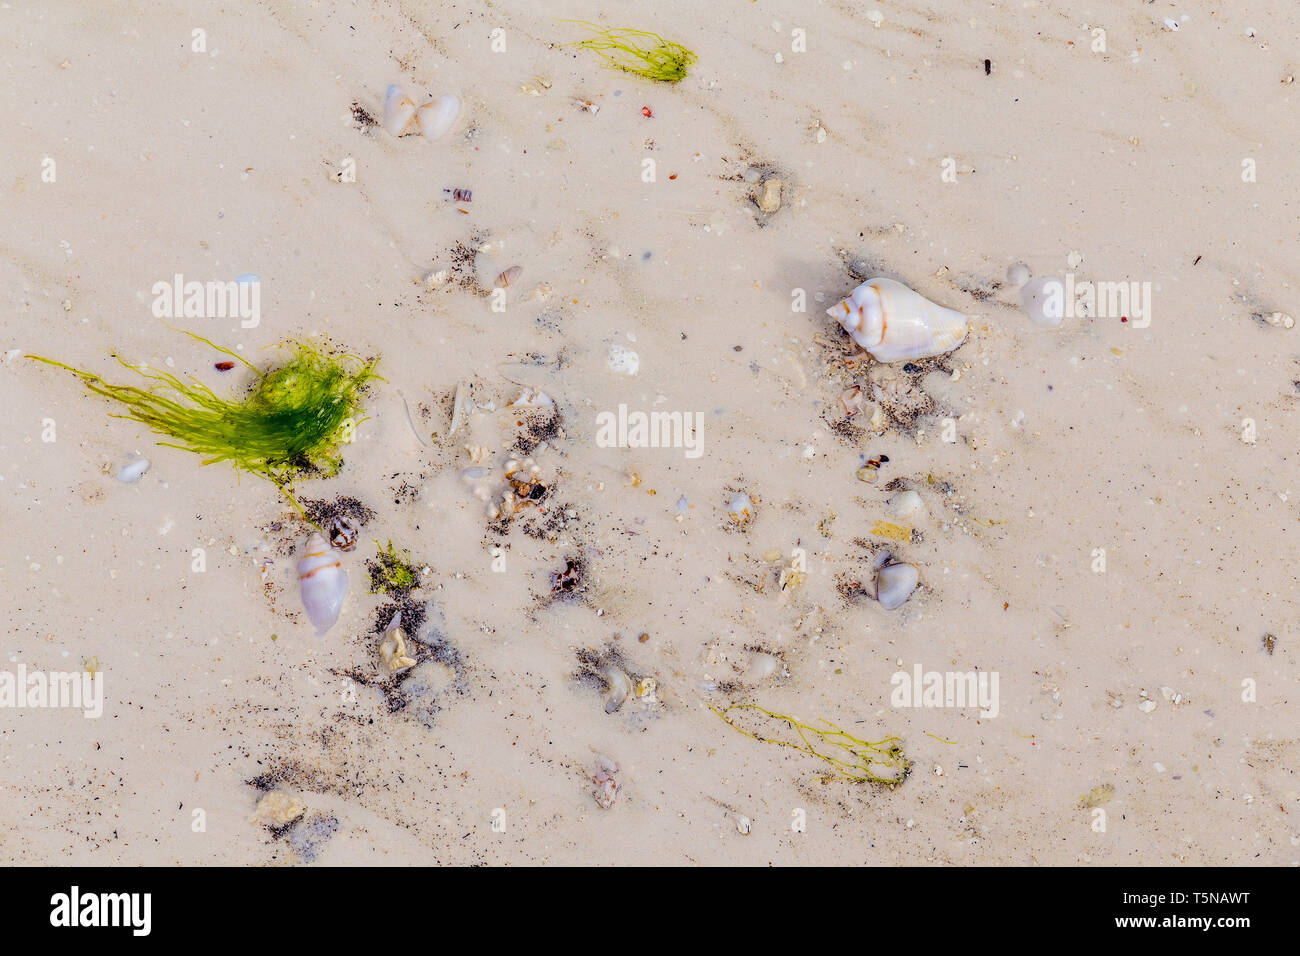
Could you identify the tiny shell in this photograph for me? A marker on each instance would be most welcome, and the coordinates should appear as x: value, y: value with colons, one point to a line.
x: 905, y: 503
x: 342, y: 532
x: 606, y: 786
x: 895, y: 584
x: 1043, y: 300
x: 399, y: 112
x: 896, y: 324
x: 508, y: 276
x: 133, y: 470
x: 438, y: 117
x: 740, y: 508
x: 324, y: 583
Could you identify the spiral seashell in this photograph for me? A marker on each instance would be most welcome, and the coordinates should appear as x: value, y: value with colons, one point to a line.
x: 896, y: 324
x: 399, y: 112
x: 324, y: 583
x: 438, y: 117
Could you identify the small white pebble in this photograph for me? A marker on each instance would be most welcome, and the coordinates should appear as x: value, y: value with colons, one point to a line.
x: 1147, y: 706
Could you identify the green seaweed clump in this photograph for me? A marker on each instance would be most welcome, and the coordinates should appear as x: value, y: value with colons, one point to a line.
x: 292, y: 422
x: 850, y: 757
x: 392, y: 572
x: 637, y: 51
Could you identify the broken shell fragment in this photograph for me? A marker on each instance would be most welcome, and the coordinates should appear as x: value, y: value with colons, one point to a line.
x: 762, y: 665
x: 895, y: 584
x: 618, y: 687
x: 133, y: 471
x: 277, y: 809
x: 399, y: 112
x: 393, y: 647
x: 438, y: 117
x: 905, y: 503
x: 606, y: 786
x: 740, y: 509
x: 896, y: 324
x: 623, y: 360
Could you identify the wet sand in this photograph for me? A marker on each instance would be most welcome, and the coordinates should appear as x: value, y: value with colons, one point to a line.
x: 1123, y: 165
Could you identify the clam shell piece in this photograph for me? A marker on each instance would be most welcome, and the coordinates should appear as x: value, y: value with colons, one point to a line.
x: 439, y: 116
x: 618, y: 687
x: 399, y: 112
x: 324, y: 583
x: 895, y: 584
x: 896, y: 324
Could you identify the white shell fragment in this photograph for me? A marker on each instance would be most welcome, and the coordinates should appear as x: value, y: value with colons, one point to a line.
x: 904, y: 504
x: 399, y: 112
x: 606, y: 786
x: 619, y: 687
x: 324, y: 583
x: 762, y: 665
x: 623, y: 361
x: 438, y: 117
x: 1043, y: 300
x: 895, y: 584
x: 896, y: 324
x: 393, y: 646
x: 133, y: 470
x: 740, y: 509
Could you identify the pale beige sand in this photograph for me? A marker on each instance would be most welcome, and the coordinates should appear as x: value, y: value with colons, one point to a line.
x: 1099, y: 435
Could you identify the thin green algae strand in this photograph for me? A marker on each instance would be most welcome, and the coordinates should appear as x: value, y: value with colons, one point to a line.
x: 847, y: 755
x: 292, y: 422
x: 646, y: 54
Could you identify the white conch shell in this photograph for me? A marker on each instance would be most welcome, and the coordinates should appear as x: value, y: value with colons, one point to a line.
x: 896, y: 324
x: 324, y: 583
x: 399, y: 112
x: 437, y: 117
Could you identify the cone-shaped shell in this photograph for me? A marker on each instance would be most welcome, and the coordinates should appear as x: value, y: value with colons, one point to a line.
x: 324, y: 583
x: 399, y: 112
x: 896, y: 324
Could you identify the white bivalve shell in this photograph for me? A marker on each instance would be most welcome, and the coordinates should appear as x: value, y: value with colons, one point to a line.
x: 399, y: 112
x: 439, y: 116
x: 896, y: 324
x: 324, y: 583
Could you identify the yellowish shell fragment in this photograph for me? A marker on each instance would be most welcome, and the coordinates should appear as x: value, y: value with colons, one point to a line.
x: 896, y: 532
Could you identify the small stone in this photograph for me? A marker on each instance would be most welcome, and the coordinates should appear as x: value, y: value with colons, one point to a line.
x: 768, y: 198
x: 1147, y: 706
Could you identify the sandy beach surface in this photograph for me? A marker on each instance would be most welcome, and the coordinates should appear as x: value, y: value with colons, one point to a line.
x: 1107, y: 509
